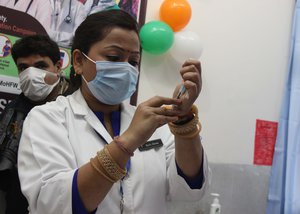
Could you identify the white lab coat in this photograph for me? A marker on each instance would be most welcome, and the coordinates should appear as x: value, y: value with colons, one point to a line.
x: 60, y: 136
x: 39, y: 9
x: 61, y: 31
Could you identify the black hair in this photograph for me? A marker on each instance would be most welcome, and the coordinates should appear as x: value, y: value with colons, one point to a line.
x: 36, y: 45
x: 95, y: 28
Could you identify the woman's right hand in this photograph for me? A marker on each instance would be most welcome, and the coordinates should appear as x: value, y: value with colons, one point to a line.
x: 149, y: 116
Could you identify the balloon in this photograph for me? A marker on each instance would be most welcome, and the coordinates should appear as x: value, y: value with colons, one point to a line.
x: 176, y: 13
x: 156, y: 37
x: 187, y: 44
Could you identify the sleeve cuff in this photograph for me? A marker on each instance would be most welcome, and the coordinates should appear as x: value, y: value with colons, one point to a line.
x: 195, y: 182
x: 77, y: 205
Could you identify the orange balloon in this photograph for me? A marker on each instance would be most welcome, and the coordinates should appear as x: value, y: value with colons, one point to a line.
x: 176, y: 13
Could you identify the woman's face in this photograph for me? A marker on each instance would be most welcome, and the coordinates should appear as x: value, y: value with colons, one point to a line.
x: 119, y: 45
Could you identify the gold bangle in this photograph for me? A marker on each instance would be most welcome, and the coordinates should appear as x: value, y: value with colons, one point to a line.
x: 111, y: 158
x: 189, y: 129
x: 185, y: 128
x: 192, y: 134
x: 94, y: 166
x: 194, y: 110
x: 109, y: 165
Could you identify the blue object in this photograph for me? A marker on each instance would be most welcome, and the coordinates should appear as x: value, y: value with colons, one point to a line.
x: 284, y: 185
x: 181, y: 91
x: 114, y: 81
x: 77, y: 205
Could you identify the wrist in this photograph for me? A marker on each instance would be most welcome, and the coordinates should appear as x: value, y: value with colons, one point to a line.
x: 184, y: 119
x: 128, y: 141
x: 189, y: 127
x: 122, y: 146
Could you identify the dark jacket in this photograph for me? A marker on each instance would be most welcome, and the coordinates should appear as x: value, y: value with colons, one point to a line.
x: 11, y: 122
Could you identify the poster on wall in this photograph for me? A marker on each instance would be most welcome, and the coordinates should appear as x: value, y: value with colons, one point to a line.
x: 13, y: 25
x: 59, y: 20
x: 265, y: 139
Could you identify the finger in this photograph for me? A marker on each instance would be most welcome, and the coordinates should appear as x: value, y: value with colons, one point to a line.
x: 191, y: 76
x: 162, y: 120
x: 158, y: 101
x: 189, y: 69
x: 191, y: 87
x: 168, y: 110
x: 192, y: 62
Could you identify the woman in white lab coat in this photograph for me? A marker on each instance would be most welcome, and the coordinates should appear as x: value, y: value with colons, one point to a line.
x: 70, y: 160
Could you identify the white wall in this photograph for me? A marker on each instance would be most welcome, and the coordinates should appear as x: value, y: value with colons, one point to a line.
x: 244, y: 65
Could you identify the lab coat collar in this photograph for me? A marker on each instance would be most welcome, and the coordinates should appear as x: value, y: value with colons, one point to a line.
x: 80, y: 108
x: 78, y: 103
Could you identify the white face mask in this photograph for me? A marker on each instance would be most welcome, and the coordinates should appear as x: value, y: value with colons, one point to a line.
x: 32, y: 83
x: 114, y: 81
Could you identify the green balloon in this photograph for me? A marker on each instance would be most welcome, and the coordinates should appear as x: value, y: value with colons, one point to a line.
x: 156, y: 37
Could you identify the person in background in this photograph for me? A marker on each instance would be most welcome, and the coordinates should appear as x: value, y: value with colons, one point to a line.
x: 90, y: 152
x: 66, y: 16
x: 38, y: 61
x: 6, y: 48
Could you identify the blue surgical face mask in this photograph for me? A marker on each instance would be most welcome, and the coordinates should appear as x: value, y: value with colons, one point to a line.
x: 114, y: 81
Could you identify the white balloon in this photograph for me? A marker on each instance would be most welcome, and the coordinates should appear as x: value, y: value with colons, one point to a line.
x: 187, y: 44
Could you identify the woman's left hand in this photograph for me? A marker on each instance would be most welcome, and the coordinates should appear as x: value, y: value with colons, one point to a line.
x: 192, y: 81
